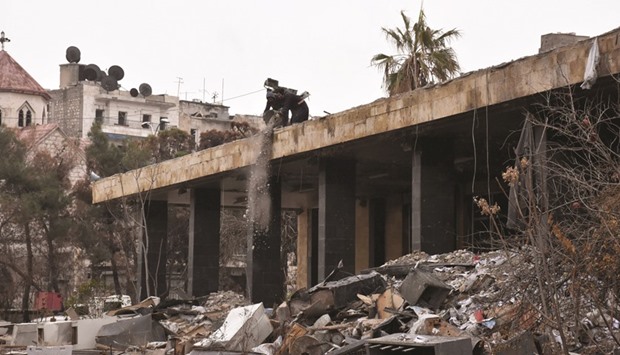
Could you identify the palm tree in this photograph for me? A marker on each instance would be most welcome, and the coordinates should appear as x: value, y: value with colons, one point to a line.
x: 423, y: 56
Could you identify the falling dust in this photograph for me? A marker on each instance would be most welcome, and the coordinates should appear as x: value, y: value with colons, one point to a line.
x: 259, y: 199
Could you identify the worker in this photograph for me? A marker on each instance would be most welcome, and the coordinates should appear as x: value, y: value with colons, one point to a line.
x: 274, y: 101
x: 294, y: 103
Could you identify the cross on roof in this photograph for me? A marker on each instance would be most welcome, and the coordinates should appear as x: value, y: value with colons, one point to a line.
x: 3, y: 39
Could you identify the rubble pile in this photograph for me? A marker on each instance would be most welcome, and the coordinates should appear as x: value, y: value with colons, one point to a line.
x: 454, y: 303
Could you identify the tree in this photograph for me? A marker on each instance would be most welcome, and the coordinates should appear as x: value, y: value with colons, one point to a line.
x: 99, y: 228
x: 103, y: 227
x: 423, y: 56
x: 564, y: 193
x: 35, y: 206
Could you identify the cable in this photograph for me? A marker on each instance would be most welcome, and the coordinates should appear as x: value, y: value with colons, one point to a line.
x: 236, y: 97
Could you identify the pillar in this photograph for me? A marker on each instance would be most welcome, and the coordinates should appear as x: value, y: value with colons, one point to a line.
x: 336, y: 216
x: 393, y: 227
x: 304, y: 249
x: 154, y: 249
x: 433, y: 199
x: 362, y: 236
x: 204, y: 242
x: 265, y: 274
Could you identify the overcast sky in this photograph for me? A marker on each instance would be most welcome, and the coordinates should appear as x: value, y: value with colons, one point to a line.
x: 230, y: 47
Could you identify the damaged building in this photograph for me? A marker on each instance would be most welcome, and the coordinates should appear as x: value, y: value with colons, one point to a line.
x: 372, y: 183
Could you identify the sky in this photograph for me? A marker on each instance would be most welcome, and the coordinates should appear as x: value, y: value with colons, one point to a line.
x: 201, y: 48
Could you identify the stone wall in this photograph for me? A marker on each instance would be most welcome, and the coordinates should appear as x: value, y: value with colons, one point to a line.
x: 66, y: 110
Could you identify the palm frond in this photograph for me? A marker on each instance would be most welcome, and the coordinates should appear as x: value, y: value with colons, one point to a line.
x: 423, y: 56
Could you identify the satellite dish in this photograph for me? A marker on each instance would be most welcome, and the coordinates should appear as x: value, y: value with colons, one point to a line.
x: 134, y: 92
x: 101, y: 75
x: 145, y: 89
x: 81, y: 68
x: 73, y: 55
x: 116, y: 72
x: 109, y: 83
x: 91, y: 72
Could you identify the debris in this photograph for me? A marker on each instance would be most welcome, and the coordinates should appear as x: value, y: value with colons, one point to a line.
x: 520, y: 344
x: 388, y: 300
x: 454, y: 303
x: 49, y: 350
x: 244, y: 328
x: 130, y: 331
x: 310, y: 345
x: 346, y: 290
x: 422, y: 287
x: 404, y: 343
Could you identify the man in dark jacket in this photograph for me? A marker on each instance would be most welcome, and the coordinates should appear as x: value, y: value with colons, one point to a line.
x: 294, y: 103
x: 274, y: 101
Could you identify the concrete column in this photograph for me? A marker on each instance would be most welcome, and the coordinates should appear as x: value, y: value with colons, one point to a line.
x: 393, y: 227
x: 204, y: 242
x: 304, y: 248
x: 433, y: 199
x: 362, y: 236
x: 155, y: 239
x: 265, y: 274
x: 336, y: 215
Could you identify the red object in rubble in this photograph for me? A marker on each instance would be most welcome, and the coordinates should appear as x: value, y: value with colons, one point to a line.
x: 48, y: 300
x: 479, y: 314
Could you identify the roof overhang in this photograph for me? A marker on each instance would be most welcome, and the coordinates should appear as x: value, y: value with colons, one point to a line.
x: 496, y: 85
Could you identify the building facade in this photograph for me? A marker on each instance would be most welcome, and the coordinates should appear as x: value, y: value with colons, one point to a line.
x: 79, y: 102
x: 23, y: 102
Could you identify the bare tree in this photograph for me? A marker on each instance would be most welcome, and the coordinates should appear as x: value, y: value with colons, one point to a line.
x: 564, y: 219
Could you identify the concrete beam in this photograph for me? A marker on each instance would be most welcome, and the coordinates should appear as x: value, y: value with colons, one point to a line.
x: 495, y: 85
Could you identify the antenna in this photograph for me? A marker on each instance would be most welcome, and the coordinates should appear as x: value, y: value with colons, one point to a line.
x: 222, y: 102
x: 179, y: 82
x: 204, y: 90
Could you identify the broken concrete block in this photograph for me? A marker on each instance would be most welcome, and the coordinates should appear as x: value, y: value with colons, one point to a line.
x: 25, y: 334
x: 400, y: 343
x: 422, y: 287
x: 346, y: 290
x: 57, y: 333
x: 283, y: 313
x: 243, y: 329
x: 389, y: 299
x: 133, y: 331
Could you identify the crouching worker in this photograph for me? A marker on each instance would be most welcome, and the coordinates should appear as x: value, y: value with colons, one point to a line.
x: 296, y: 104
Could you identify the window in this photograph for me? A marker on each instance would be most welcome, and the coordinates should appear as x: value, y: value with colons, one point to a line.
x: 146, y: 118
x: 162, y: 123
x: 0, y: 117
x: 99, y: 115
x: 122, y: 118
x: 24, y: 115
x: 192, y: 132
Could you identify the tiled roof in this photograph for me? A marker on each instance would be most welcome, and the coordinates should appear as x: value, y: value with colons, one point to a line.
x: 32, y: 135
x: 13, y: 78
